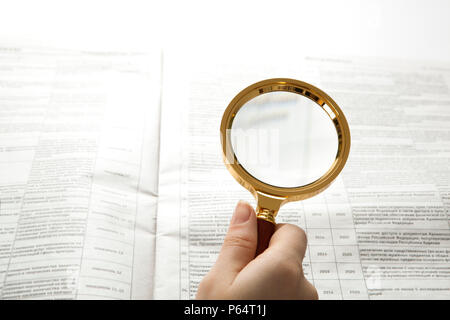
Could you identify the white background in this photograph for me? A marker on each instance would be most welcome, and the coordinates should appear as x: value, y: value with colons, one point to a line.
x: 413, y: 29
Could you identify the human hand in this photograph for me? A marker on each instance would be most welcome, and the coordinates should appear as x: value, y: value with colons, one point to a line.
x: 274, y: 274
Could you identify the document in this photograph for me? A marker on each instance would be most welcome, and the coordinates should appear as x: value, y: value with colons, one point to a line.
x: 380, y: 231
x: 78, y: 173
x: 112, y: 183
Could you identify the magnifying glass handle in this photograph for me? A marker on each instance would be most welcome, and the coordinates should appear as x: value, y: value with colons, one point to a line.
x: 265, y: 232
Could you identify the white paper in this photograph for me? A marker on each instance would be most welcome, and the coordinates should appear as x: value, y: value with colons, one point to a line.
x: 84, y: 186
x: 78, y: 173
x: 381, y: 230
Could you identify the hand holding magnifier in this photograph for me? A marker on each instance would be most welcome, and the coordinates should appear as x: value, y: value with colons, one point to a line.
x: 283, y: 140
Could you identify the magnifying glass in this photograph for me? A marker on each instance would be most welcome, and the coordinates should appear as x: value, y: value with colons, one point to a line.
x: 283, y: 140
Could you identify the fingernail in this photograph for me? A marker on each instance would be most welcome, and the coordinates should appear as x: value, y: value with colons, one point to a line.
x: 241, y: 213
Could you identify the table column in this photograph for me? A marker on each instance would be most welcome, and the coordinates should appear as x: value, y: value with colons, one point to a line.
x: 321, y: 249
x: 350, y: 274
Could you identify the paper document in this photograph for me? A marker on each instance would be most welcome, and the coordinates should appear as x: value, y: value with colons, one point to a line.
x: 380, y: 231
x: 78, y: 173
x: 112, y: 184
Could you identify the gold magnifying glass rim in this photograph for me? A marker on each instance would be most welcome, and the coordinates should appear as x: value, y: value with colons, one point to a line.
x: 299, y: 87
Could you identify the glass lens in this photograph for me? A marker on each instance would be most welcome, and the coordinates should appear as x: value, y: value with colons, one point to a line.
x: 284, y: 139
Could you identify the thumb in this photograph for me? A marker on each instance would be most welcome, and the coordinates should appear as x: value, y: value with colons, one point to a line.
x: 239, y: 245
